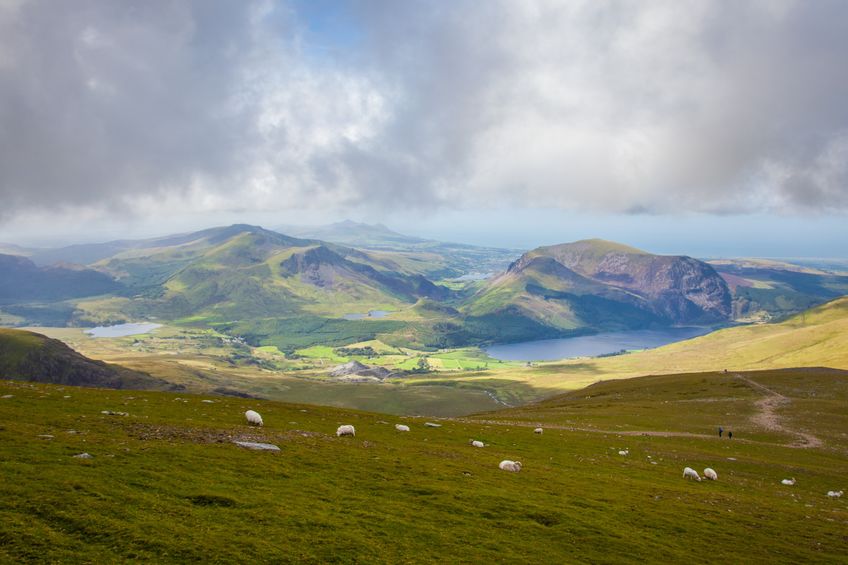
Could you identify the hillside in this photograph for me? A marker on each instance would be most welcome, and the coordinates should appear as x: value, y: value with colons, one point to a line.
x: 29, y: 356
x: 21, y: 281
x: 245, y: 271
x: 595, y: 284
x: 188, y: 493
x: 815, y: 338
x: 772, y: 290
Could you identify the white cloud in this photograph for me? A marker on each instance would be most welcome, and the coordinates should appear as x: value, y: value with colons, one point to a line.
x: 661, y: 107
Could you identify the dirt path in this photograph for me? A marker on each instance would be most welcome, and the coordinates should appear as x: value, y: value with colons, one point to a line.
x: 650, y: 433
x: 766, y: 416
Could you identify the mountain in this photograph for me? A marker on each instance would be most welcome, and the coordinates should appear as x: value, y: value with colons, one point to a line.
x: 766, y: 289
x: 33, y: 357
x: 23, y: 281
x: 89, y: 253
x: 433, y: 259
x: 243, y: 272
x: 597, y: 284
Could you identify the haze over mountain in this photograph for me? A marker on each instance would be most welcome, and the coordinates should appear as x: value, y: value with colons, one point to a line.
x: 458, y: 259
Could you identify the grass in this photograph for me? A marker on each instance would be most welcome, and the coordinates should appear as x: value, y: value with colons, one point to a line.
x: 186, y: 493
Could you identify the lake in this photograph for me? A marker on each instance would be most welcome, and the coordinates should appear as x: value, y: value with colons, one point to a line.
x: 371, y: 314
x: 590, y: 345
x: 122, y: 330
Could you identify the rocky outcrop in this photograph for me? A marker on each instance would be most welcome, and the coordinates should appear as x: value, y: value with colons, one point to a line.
x: 679, y: 289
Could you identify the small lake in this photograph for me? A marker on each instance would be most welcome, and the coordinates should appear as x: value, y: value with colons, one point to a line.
x: 371, y: 314
x: 122, y: 330
x: 591, y: 345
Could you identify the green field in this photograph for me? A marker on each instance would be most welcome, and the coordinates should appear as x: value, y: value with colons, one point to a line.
x: 166, y: 484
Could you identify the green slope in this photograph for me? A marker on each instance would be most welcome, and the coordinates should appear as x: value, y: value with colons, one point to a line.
x: 30, y: 356
x: 187, y: 493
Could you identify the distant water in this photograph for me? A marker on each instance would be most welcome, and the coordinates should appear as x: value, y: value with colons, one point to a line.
x: 591, y: 345
x: 371, y: 314
x: 122, y: 330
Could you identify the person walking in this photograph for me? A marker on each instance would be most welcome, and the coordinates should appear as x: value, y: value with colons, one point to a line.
x: 729, y: 435
x: 720, y: 431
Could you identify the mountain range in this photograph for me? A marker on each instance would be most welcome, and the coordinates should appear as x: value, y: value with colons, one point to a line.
x: 296, y: 290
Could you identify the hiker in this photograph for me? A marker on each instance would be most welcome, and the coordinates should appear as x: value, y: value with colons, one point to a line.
x: 720, y: 431
x: 729, y: 435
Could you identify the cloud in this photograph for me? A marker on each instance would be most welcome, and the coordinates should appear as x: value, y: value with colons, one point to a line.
x: 634, y: 107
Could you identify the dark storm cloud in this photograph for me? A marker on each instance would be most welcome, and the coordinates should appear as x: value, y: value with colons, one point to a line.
x: 612, y: 106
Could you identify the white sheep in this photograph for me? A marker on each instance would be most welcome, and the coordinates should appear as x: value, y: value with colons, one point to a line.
x: 513, y: 466
x: 710, y: 474
x: 346, y: 430
x: 624, y: 452
x: 788, y: 482
x: 834, y: 493
x: 477, y: 443
x: 253, y: 418
x: 690, y: 473
x: 401, y: 427
x: 538, y: 431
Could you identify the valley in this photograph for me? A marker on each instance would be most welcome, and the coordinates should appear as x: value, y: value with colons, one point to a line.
x: 251, y: 311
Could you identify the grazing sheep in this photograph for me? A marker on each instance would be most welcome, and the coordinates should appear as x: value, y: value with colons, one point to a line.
x: 690, y: 473
x: 834, y: 493
x: 512, y: 466
x: 346, y: 430
x: 710, y: 474
x: 788, y: 482
x: 538, y: 431
x: 624, y: 452
x: 401, y: 427
x: 253, y: 418
x: 476, y: 443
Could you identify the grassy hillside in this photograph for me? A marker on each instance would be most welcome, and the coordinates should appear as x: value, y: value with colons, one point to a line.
x: 187, y: 493
x: 33, y: 357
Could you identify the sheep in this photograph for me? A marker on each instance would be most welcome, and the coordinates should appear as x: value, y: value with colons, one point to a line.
x: 834, y: 493
x: 710, y: 474
x: 624, y: 452
x: 690, y: 473
x: 477, y: 443
x: 253, y: 418
x: 788, y: 482
x: 538, y: 431
x: 512, y: 466
x: 346, y: 430
x: 401, y: 427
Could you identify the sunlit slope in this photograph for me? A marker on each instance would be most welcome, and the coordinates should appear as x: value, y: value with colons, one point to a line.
x: 816, y: 338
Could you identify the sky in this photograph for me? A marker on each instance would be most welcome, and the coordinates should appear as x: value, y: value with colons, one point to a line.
x: 710, y: 128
